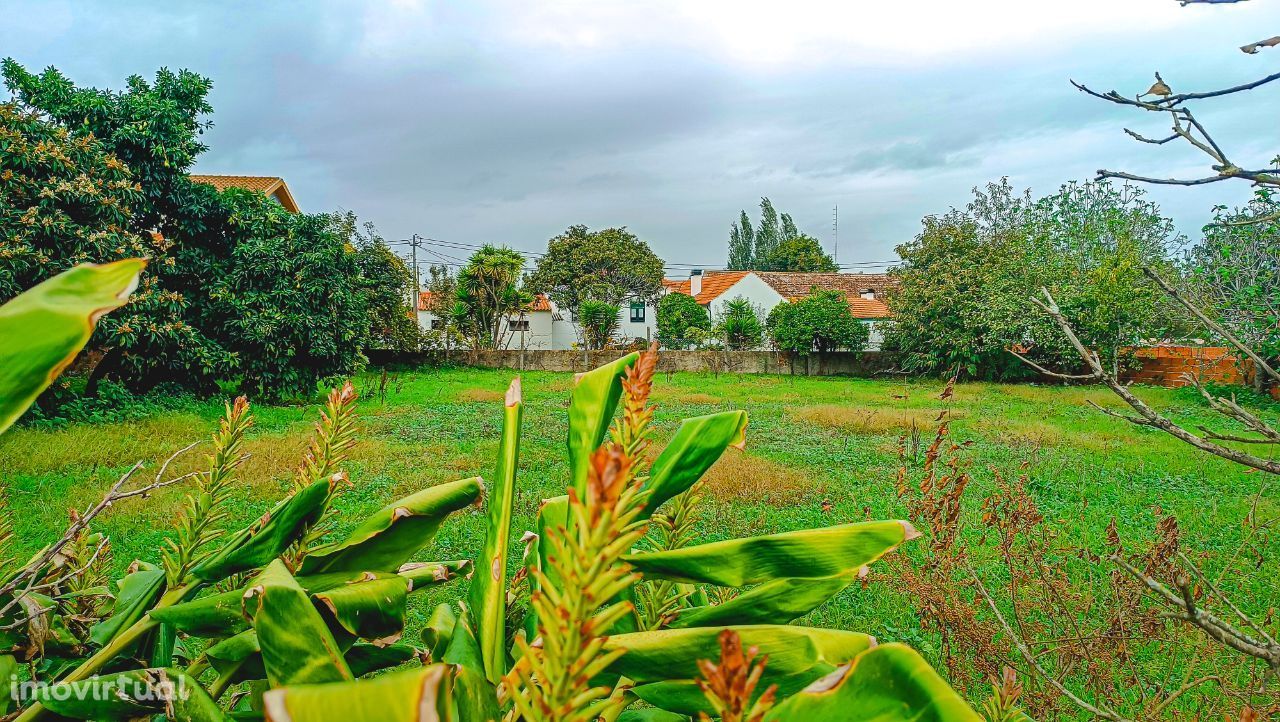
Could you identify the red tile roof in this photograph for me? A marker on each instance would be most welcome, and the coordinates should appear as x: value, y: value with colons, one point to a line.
x: 792, y: 285
x: 272, y: 186
x: 714, y: 284
x: 540, y: 302
x: 868, y: 308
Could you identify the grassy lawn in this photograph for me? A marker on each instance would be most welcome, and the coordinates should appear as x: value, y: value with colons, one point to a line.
x: 820, y: 451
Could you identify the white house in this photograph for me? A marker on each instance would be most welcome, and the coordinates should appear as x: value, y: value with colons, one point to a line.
x: 544, y: 326
x: 766, y: 289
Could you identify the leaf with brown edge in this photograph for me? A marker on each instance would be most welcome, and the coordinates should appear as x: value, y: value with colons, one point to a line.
x: 45, y: 327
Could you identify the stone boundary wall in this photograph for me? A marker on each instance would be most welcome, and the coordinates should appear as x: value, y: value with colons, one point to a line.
x: 866, y: 363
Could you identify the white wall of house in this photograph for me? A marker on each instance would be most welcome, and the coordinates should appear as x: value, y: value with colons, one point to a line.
x: 875, y: 335
x: 641, y: 324
x: 760, y: 294
x: 539, y: 336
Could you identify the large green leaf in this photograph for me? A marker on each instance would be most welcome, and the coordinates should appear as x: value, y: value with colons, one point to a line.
x: 554, y: 513
x: 238, y: 657
x: 412, y: 695
x: 886, y: 684
x: 372, y: 609
x: 592, y: 403
x: 368, y: 658
x: 133, y: 694
x: 8, y: 670
x: 268, y: 537
x: 438, y: 631
x: 138, y: 592
x: 651, y: 714
x: 297, y: 646
x: 664, y: 663
x: 777, y: 602
x: 393, y: 535
x: 696, y: 445
x: 44, y: 328
x: 808, y: 553
x: 487, y: 598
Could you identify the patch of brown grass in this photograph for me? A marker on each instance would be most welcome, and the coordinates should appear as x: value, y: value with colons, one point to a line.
x: 480, y: 396
x: 743, y: 477
x: 860, y: 420
x: 698, y: 398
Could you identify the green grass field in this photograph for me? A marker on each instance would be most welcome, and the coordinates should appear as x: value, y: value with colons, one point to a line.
x: 820, y: 451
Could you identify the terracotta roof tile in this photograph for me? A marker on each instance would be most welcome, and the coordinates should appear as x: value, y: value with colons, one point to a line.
x: 270, y: 185
x: 868, y: 308
x: 714, y: 283
x: 793, y: 285
x: 540, y: 302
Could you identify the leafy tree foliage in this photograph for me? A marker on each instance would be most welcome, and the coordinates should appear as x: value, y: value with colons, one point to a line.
x: 488, y: 291
x: 290, y: 304
x: 677, y: 313
x: 387, y: 284
x: 821, y: 321
x: 774, y: 245
x: 599, y: 322
x: 104, y: 174
x: 966, y: 279
x: 800, y: 253
x: 1236, y: 270
x: 609, y: 265
x: 740, y: 325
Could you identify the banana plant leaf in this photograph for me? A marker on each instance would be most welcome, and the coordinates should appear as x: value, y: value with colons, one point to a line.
x: 438, y: 631
x: 664, y: 663
x: 592, y: 403
x: 695, y: 447
x: 885, y: 684
x: 651, y: 714
x: 487, y: 597
x: 133, y: 694
x: 421, y: 575
x: 777, y: 602
x: 369, y: 658
x: 553, y: 513
x: 8, y: 670
x: 46, y: 326
x: 372, y: 610
x: 393, y: 535
x: 414, y: 695
x: 238, y: 657
x: 805, y: 554
x: 138, y: 592
x: 268, y: 537
x: 297, y: 646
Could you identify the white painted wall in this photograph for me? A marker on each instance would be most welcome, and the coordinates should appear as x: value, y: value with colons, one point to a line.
x: 750, y: 287
x: 646, y: 328
x: 541, y: 333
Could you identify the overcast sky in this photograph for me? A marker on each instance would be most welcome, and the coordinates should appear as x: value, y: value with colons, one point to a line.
x: 508, y: 121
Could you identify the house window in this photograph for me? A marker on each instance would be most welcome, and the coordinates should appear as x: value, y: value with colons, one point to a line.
x: 637, y: 312
x: 518, y: 324
x: 437, y: 324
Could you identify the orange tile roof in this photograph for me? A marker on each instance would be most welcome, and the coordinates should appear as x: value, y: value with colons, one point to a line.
x: 540, y: 302
x: 269, y: 185
x: 868, y: 308
x: 792, y: 285
x: 714, y: 284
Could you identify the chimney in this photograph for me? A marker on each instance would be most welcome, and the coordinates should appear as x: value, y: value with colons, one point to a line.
x: 695, y: 282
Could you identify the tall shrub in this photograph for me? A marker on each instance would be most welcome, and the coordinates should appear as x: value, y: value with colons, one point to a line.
x: 677, y: 313
x: 821, y: 322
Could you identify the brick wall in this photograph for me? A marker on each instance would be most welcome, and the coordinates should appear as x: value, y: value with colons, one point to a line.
x: 1168, y: 365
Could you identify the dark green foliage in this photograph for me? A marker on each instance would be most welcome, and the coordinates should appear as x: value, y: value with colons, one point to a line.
x: 289, y: 303
x: 802, y: 254
x: 967, y: 280
x: 609, y: 265
x: 821, y: 321
x: 387, y: 284
x: 740, y: 325
x: 677, y: 313
x: 754, y: 249
x: 599, y: 321
x: 487, y: 292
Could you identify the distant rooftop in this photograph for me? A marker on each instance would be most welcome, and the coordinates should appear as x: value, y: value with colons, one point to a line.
x: 271, y: 186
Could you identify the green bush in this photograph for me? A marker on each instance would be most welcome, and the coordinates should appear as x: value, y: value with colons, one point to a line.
x: 677, y: 314
x: 740, y: 325
x: 599, y: 322
x: 821, y: 322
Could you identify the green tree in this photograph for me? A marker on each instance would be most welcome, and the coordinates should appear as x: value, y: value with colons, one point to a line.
x: 742, y: 244
x: 801, y: 254
x: 609, y: 265
x: 1235, y: 269
x: 966, y: 280
x: 740, y: 325
x: 488, y: 292
x: 821, y: 321
x: 153, y: 130
x: 388, y: 285
x: 290, y: 304
x: 750, y: 249
x: 677, y: 313
x: 599, y: 322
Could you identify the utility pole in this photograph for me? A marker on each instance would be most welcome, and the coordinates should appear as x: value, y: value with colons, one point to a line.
x: 415, y: 241
x: 835, y: 233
